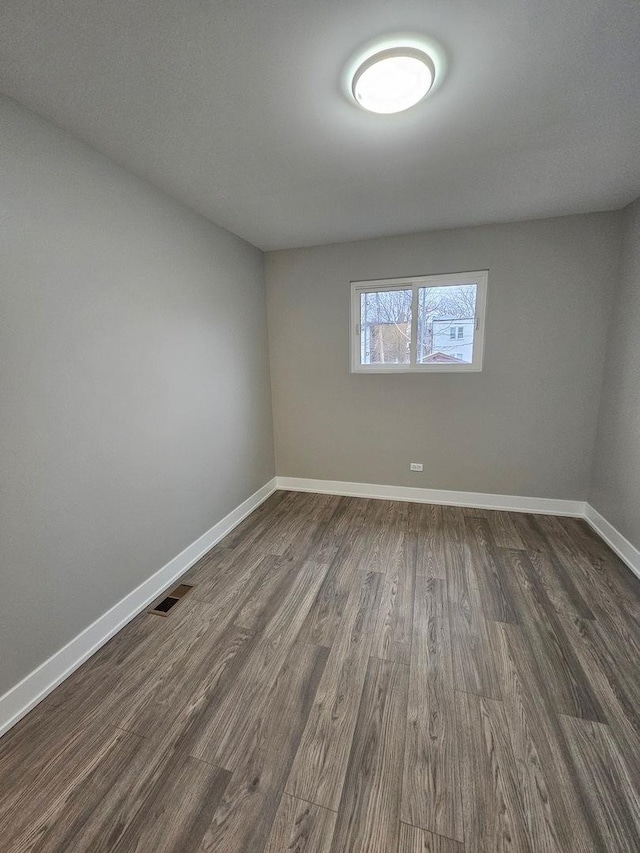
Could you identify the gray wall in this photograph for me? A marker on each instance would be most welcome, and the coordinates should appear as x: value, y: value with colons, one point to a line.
x: 615, y: 489
x: 524, y: 426
x: 134, y: 384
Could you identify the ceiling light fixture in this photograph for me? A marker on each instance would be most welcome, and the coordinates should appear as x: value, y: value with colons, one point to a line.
x: 393, y: 80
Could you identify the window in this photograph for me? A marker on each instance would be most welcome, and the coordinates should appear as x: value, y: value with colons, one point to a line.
x: 424, y: 324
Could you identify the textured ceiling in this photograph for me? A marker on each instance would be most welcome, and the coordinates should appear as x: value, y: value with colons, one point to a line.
x: 236, y: 107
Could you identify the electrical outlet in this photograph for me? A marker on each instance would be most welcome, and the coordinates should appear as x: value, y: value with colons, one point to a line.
x: 415, y: 466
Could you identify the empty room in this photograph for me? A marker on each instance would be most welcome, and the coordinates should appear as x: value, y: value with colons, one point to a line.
x: 320, y: 426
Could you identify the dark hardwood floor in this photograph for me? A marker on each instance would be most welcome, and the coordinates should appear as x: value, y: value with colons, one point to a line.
x: 353, y: 675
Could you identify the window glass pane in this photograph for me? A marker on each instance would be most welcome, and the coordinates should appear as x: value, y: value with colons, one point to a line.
x: 446, y: 324
x: 385, y: 327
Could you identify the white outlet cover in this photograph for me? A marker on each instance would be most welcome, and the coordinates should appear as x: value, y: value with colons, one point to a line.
x: 416, y: 466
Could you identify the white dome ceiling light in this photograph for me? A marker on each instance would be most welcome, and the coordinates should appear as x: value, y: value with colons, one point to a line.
x: 393, y: 80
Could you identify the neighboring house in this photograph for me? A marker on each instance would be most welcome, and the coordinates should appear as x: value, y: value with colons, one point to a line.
x: 448, y: 340
x: 440, y: 358
x: 454, y: 337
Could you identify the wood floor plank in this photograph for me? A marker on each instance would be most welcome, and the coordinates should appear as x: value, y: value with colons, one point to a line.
x: 201, y: 698
x: 369, y: 812
x: 350, y: 514
x: 175, y: 670
x: 293, y: 517
x: 153, y: 797
x: 427, y: 523
x: 474, y: 668
x: 326, y: 613
x: 414, y: 840
x: 495, y: 593
x: 313, y: 505
x: 168, y: 665
x: 32, y: 810
x: 255, y: 521
x: 209, y: 687
x: 229, y: 577
x: 591, y: 576
x: 219, y: 741
x: 272, y: 576
x: 177, y: 815
x: 567, y: 601
x: 208, y: 565
x: 392, y: 632
x: 477, y: 511
x: 610, y: 569
x: 605, y: 654
x: 493, y: 810
x: 245, y: 816
x: 423, y: 516
x: 431, y: 789
x: 105, y: 692
x: 527, y: 688
x: 614, y: 678
x: 320, y: 544
x: 603, y: 774
x: 81, y: 799
x: 320, y: 764
x: 299, y: 516
x: 389, y: 514
x: 552, y: 810
x: 380, y: 549
x: 553, y: 651
x: 503, y: 530
x: 558, y: 582
x: 613, y: 590
x: 35, y: 742
x: 301, y: 827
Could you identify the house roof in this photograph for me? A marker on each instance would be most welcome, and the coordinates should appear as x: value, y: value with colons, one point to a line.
x: 440, y: 358
x: 451, y: 319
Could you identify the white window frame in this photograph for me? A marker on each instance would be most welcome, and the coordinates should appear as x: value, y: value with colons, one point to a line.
x: 478, y: 277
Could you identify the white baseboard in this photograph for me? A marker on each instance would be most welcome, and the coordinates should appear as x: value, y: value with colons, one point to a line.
x: 21, y: 698
x: 513, y: 503
x: 627, y: 552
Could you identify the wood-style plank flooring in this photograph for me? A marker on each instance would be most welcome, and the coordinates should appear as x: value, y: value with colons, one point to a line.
x: 353, y: 675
